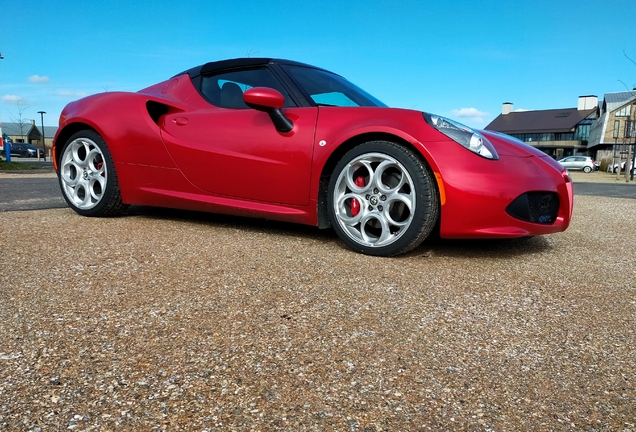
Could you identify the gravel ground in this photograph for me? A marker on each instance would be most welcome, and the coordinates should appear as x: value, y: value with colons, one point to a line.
x: 166, y: 321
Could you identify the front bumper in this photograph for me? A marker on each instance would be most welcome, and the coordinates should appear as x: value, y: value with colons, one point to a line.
x: 480, y: 194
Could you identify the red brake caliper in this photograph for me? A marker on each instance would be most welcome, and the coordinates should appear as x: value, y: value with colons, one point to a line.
x: 355, y: 204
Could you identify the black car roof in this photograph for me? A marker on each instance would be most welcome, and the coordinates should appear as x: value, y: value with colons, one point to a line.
x: 239, y: 63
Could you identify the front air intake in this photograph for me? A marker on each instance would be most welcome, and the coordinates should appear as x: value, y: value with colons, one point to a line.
x: 536, y: 207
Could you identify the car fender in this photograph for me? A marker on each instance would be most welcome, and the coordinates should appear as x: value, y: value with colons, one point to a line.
x: 124, y: 121
x: 340, y: 129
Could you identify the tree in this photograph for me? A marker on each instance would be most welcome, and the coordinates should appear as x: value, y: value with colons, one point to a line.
x: 23, y: 124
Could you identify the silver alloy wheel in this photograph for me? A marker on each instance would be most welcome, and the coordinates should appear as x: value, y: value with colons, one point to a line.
x: 385, y: 197
x: 83, y: 173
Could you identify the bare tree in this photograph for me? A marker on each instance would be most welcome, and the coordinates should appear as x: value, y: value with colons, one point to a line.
x: 23, y: 124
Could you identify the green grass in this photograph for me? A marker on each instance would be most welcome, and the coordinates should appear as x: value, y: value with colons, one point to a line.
x: 15, y: 166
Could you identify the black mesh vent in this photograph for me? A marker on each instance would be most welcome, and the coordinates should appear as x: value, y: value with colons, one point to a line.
x: 537, y: 207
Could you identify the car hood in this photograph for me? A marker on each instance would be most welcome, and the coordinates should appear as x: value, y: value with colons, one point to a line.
x: 509, y: 146
x: 512, y: 147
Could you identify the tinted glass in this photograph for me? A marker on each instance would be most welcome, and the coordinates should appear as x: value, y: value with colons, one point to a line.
x: 325, y: 88
x: 226, y: 89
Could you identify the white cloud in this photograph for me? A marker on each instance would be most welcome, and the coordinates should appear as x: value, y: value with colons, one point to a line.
x: 470, y: 112
x: 12, y: 98
x: 74, y: 94
x: 39, y: 79
x: 476, y: 116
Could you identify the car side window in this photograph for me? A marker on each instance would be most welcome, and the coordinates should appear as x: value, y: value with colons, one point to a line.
x: 333, y: 99
x: 226, y: 89
x: 326, y: 88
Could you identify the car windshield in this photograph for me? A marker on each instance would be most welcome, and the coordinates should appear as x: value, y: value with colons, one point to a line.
x: 328, y: 89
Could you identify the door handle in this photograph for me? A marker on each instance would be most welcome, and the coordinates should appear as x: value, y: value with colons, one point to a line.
x: 180, y: 121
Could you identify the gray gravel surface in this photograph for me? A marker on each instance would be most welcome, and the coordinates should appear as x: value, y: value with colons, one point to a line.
x: 168, y: 321
x: 25, y: 190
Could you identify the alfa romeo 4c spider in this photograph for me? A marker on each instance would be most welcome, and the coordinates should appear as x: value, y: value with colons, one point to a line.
x: 287, y: 141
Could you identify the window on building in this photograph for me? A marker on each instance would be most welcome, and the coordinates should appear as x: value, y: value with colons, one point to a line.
x: 617, y: 129
x: 582, y: 132
x: 630, y: 129
x: 531, y: 137
x: 546, y: 137
x: 624, y: 112
x: 564, y: 136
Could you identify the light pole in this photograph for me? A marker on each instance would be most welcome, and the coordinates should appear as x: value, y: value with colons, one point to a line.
x: 43, y: 139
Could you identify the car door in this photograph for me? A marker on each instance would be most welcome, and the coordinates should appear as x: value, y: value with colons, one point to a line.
x: 578, y: 162
x: 568, y: 163
x: 16, y: 149
x: 232, y: 150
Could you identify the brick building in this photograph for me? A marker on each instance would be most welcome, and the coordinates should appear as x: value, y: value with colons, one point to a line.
x: 613, y: 132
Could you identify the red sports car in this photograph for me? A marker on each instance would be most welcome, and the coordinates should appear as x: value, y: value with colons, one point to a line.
x: 283, y: 140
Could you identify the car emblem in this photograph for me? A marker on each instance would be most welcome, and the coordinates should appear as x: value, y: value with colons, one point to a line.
x: 373, y: 200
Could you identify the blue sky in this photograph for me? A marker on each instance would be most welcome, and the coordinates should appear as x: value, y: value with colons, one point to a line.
x: 460, y: 59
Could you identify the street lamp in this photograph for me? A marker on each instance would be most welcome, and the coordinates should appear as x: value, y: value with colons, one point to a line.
x: 43, y: 139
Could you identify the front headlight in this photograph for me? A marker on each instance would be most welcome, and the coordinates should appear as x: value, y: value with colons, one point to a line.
x: 467, y: 137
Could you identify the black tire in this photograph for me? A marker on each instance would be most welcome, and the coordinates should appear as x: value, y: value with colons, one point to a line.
x: 587, y: 169
x: 87, y: 176
x: 388, y: 225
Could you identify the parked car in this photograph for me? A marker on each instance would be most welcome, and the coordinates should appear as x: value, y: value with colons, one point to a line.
x: 283, y: 140
x: 33, y: 150
x: 24, y: 150
x: 614, y: 167
x: 584, y: 163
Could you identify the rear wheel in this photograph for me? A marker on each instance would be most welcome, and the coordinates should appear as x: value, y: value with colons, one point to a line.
x: 382, y: 199
x: 587, y: 169
x: 87, y: 176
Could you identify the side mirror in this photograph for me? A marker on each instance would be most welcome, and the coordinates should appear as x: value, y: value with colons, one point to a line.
x: 270, y: 101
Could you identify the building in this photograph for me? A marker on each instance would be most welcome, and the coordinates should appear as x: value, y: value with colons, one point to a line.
x: 29, y: 132
x: 557, y: 132
x: 611, y: 134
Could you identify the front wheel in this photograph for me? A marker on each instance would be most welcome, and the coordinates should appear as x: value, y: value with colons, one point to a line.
x: 382, y: 199
x: 87, y: 176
